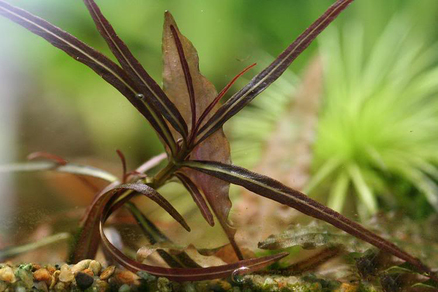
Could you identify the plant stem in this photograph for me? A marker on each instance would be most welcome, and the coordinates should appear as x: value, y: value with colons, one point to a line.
x: 163, y: 175
x: 17, y: 250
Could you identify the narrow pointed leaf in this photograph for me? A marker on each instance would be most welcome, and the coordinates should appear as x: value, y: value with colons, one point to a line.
x: 274, y: 190
x: 365, y: 194
x: 88, y: 240
x: 54, y: 166
x: 180, y: 274
x: 151, y: 231
x: 149, y: 164
x: 149, y: 88
x: 216, y: 148
x: 83, y: 53
x: 187, y: 75
x: 61, y: 161
x: 221, y: 94
x: 187, y: 274
x: 48, y: 156
x: 265, y: 78
x: 154, y: 235
x: 197, y: 197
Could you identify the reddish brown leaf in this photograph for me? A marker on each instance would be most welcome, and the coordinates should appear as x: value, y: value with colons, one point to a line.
x: 221, y: 94
x: 149, y: 88
x: 216, y: 147
x: 101, y: 64
x: 189, y: 274
x: 182, y: 274
x: 274, y: 190
x: 271, y: 73
x: 88, y: 241
x: 46, y: 155
x: 286, y: 156
x: 197, y: 197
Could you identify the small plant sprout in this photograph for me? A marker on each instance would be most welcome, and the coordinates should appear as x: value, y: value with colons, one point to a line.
x: 188, y: 118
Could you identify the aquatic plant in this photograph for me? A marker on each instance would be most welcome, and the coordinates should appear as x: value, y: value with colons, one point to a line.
x: 356, y: 159
x: 188, y: 118
x: 381, y: 149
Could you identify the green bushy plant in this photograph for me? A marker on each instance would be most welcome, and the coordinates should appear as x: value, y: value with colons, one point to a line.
x: 376, y: 135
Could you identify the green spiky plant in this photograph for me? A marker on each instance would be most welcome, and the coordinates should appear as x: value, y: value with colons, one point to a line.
x: 188, y: 119
x: 376, y: 132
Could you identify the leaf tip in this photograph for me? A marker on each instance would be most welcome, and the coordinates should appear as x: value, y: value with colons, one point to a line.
x: 186, y: 226
x: 168, y: 15
x: 169, y: 19
x: 45, y: 155
x: 210, y: 221
x: 281, y: 255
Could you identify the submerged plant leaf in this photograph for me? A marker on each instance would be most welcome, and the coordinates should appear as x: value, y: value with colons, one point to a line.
x: 179, y: 256
x: 274, y: 190
x: 154, y: 235
x: 210, y: 170
x: 380, y: 99
x: 356, y: 257
x: 149, y: 88
x: 416, y: 237
x: 88, y: 240
x: 188, y: 274
x: 276, y: 132
x: 265, y: 78
x: 55, y: 166
x: 83, y: 53
x: 48, y: 156
x: 177, y: 274
x: 215, y: 102
x: 216, y: 148
x: 197, y: 197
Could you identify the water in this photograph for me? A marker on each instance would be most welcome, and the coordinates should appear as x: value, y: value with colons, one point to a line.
x: 360, y: 130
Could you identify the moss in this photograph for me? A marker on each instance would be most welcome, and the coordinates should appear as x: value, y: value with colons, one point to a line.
x: 299, y: 284
x: 246, y: 283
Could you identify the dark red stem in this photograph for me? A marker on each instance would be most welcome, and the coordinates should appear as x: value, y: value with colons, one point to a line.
x: 123, y: 159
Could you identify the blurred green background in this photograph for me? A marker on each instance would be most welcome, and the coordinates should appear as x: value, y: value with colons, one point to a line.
x: 226, y: 33
x: 51, y: 103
